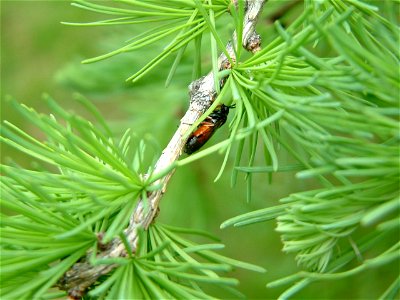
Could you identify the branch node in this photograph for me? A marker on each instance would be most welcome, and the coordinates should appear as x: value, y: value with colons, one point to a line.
x: 253, y: 43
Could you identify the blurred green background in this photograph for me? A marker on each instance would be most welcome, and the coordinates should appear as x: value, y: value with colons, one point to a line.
x: 39, y: 54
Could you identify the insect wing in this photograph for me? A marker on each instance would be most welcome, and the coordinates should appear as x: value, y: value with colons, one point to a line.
x: 207, y: 128
x: 199, y: 138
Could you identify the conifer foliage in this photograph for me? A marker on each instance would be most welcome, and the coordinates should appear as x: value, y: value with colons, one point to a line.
x: 325, y: 90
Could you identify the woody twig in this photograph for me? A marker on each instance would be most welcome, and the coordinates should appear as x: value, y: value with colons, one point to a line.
x: 202, y: 94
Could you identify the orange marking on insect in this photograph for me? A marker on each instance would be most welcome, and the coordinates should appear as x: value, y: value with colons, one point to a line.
x: 207, y: 128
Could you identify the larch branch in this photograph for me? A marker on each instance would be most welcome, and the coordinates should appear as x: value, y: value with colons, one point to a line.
x: 202, y: 94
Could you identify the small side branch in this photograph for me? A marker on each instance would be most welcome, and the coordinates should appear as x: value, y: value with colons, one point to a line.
x: 202, y: 94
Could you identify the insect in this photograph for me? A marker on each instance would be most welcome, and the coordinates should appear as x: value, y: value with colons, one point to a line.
x: 206, y: 129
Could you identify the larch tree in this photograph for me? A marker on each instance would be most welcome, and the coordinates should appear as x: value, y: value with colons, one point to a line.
x: 316, y: 96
